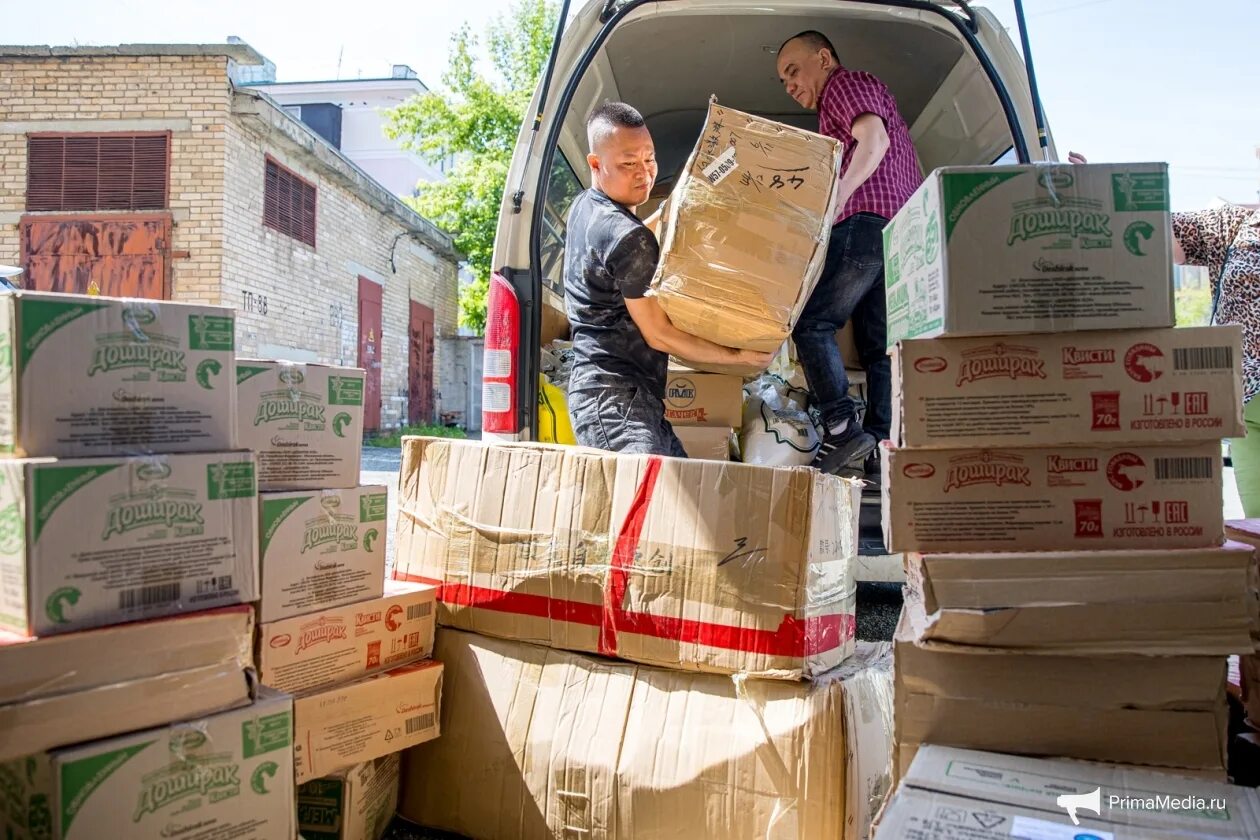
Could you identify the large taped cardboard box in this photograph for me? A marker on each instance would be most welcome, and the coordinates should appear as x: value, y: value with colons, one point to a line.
x: 744, y: 231
x: 538, y: 743
x: 705, y: 443
x: 227, y: 775
x: 694, y: 398
x: 321, y: 549
x: 1188, y: 602
x: 1104, y: 708
x: 305, y: 421
x: 987, y: 250
x: 355, y: 804
x: 36, y: 667
x: 951, y: 794
x: 1052, y: 498
x: 364, y: 720
x: 86, y: 376
x: 57, y: 720
x: 699, y: 565
x: 1143, y: 386
x: 95, y: 541
x: 344, y: 643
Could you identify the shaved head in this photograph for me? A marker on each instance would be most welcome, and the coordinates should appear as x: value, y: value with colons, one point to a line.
x: 622, y: 157
x: 814, y: 40
x: 605, y: 121
x: 806, y: 61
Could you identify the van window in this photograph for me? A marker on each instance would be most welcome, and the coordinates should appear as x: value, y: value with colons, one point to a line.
x: 1007, y: 157
x: 562, y: 187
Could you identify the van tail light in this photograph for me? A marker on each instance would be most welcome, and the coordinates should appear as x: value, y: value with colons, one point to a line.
x: 499, y: 397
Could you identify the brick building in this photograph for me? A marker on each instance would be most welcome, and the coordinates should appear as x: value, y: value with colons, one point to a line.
x: 143, y: 170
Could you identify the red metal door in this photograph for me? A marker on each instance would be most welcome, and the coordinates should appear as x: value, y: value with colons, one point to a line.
x: 118, y: 255
x: 370, y: 306
x: 420, y: 366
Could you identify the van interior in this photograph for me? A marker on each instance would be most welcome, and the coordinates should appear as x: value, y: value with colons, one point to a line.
x: 667, y: 59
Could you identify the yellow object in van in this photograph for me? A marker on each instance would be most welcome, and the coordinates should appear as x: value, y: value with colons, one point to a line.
x: 553, y: 415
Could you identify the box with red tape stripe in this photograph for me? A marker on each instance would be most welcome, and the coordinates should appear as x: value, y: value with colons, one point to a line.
x: 696, y: 565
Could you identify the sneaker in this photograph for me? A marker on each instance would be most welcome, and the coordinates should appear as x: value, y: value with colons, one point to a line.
x: 844, y: 453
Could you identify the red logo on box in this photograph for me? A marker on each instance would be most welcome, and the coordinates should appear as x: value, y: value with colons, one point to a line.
x: 918, y: 470
x: 1106, y: 416
x: 930, y: 364
x: 1196, y: 403
x: 374, y: 655
x: 1126, y: 471
x: 1142, y: 362
x: 1089, y: 524
x: 391, y: 618
x: 1176, y: 513
x: 281, y: 641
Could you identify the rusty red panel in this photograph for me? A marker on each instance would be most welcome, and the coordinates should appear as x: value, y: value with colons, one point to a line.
x: 122, y: 256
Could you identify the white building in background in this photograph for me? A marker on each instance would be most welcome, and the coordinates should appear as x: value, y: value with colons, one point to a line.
x: 350, y: 114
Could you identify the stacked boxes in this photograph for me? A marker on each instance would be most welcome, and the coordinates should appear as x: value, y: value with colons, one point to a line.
x: 705, y: 409
x: 129, y: 557
x: 1055, y: 474
x: 353, y: 652
x: 692, y: 570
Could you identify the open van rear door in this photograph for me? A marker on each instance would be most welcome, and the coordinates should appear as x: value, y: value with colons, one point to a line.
x: 525, y: 304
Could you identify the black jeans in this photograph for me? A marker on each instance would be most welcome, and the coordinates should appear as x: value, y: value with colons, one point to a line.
x: 851, y: 287
x: 623, y: 418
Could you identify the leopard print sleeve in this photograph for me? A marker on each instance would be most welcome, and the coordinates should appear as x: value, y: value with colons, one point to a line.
x: 1205, y: 235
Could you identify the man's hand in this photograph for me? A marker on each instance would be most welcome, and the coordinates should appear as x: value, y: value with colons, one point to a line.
x: 1076, y: 158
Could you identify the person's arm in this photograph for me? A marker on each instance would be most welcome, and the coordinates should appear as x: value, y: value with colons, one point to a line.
x: 660, y: 334
x: 1204, y: 237
x: 870, y: 146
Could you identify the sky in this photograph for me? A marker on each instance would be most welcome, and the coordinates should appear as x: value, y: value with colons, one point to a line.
x: 1120, y: 79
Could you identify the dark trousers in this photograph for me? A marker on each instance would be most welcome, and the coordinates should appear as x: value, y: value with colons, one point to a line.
x: 625, y: 419
x: 851, y: 288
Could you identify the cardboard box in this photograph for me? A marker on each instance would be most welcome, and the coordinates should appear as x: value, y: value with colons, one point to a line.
x: 95, y: 541
x: 57, y: 720
x: 985, y: 250
x: 103, y: 376
x: 1052, y: 499
x: 950, y: 794
x: 365, y: 720
x: 355, y: 804
x: 345, y: 643
x: 693, y: 398
x: 705, y: 443
x: 40, y: 667
x: 1188, y: 602
x: 305, y: 421
x: 1139, y: 386
x: 1105, y: 708
x: 698, y: 565
x: 744, y: 232
x: 228, y: 775
x: 321, y: 549
x: 553, y: 744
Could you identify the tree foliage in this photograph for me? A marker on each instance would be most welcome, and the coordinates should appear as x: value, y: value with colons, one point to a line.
x: 476, y: 119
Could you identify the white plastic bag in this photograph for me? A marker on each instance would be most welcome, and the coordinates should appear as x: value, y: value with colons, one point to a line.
x: 776, y: 431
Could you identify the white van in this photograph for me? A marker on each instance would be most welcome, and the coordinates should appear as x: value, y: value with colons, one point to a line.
x: 959, y: 82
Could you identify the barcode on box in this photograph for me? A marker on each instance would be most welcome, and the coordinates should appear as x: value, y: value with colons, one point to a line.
x: 1183, y: 469
x: 148, y: 596
x: 1203, y: 358
x: 419, y: 610
x: 419, y: 723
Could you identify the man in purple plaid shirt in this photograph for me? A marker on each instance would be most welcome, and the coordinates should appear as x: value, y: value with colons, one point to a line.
x: 879, y: 173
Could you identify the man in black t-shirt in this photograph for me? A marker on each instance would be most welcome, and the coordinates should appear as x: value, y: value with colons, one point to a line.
x: 622, y: 338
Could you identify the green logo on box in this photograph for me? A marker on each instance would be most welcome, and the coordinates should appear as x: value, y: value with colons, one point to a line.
x: 211, y: 332
x: 1135, y: 192
x: 230, y: 481
x: 345, y: 390
x: 266, y: 734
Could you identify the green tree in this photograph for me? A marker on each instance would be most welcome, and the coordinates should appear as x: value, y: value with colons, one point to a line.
x: 477, y: 120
